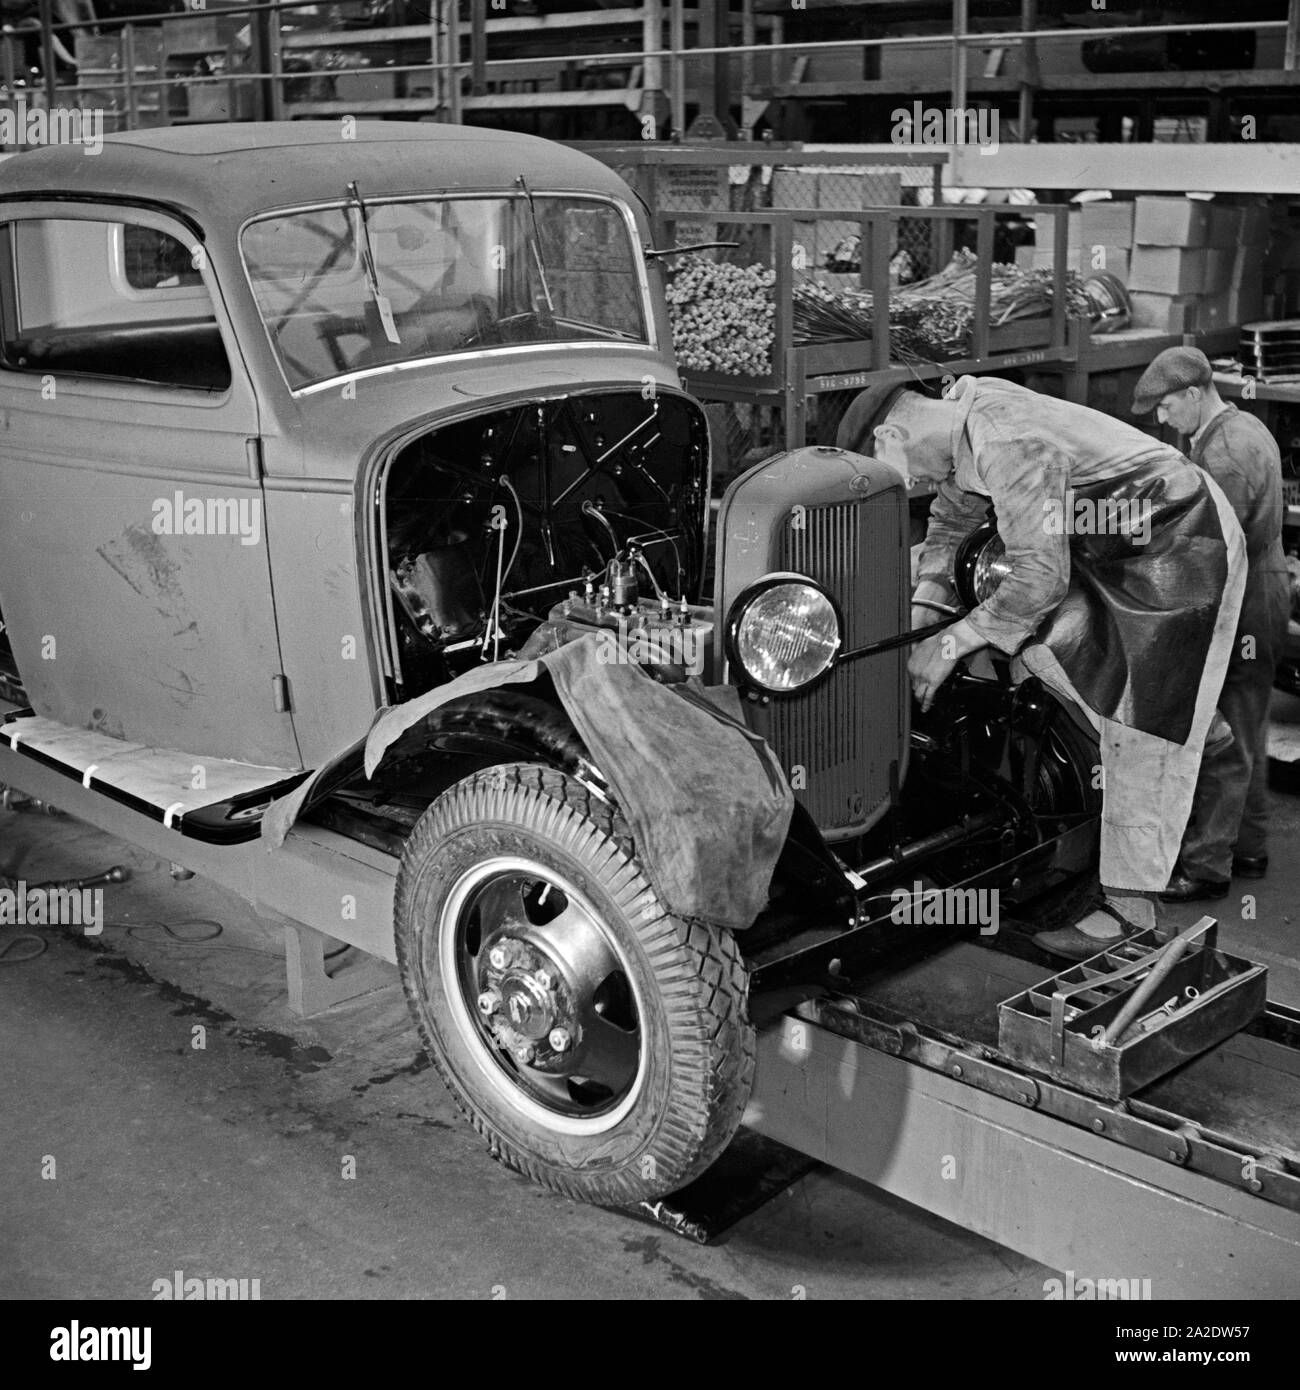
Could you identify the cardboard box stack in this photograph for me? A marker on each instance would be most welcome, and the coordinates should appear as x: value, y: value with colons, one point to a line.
x: 1282, y: 262
x: 1197, y: 267
x: 1170, y: 263
x: 1247, y: 286
x: 1100, y: 237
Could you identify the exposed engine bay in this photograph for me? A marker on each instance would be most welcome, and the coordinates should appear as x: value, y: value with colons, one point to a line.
x: 508, y: 534
x: 513, y: 531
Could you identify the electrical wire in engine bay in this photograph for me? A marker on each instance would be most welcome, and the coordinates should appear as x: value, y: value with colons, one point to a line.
x: 493, y: 633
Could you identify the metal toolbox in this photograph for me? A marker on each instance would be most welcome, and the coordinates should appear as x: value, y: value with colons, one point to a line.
x: 1183, y: 997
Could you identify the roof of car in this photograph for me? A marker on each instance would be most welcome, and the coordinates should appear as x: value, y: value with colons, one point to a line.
x: 227, y: 173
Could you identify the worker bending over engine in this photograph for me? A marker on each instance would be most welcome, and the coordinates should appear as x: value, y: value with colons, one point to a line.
x: 1126, y: 567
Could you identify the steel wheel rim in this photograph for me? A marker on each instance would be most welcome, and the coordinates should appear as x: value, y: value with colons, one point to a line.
x: 510, y: 903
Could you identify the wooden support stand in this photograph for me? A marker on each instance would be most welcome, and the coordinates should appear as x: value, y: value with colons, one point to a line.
x: 312, y: 987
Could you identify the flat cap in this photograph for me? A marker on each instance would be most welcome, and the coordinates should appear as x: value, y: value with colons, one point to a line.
x: 1174, y: 369
x: 867, y: 410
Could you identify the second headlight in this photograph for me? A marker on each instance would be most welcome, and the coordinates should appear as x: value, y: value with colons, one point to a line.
x: 784, y: 633
x: 980, y: 565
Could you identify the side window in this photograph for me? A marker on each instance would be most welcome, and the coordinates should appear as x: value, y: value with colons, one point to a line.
x: 107, y: 299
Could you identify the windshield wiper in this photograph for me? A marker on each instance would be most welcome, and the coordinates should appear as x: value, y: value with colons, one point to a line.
x: 602, y: 329
x: 535, y: 245
x: 372, y: 275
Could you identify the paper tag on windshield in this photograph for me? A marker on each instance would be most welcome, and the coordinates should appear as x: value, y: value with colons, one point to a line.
x: 386, y: 318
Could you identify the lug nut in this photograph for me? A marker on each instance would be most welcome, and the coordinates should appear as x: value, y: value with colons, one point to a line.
x: 559, y: 1039
x: 526, y: 1054
x: 543, y: 978
x: 489, y: 1002
x: 497, y: 955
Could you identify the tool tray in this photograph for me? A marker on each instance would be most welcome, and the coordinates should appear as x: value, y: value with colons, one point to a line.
x: 1056, y: 1028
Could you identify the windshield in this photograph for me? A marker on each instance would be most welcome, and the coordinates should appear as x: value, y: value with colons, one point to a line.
x: 367, y: 284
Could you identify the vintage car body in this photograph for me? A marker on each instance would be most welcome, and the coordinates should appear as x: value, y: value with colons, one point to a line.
x: 305, y: 423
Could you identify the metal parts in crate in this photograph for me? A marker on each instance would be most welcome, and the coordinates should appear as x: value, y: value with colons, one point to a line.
x: 1270, y: 351
x: 1131, y: 1014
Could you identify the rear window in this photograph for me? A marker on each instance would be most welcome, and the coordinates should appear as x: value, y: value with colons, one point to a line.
x: 110, y: 298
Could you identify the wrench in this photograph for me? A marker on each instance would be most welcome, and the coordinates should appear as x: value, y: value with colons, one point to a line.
x: 1151, y: 1020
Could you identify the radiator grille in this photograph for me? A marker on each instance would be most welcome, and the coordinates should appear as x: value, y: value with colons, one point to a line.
x: 845, y: 733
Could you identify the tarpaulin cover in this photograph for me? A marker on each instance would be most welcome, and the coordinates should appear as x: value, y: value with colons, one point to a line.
x: 705, y: 797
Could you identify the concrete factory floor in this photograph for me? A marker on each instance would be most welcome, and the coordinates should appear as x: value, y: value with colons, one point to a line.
x: 228, y: 1161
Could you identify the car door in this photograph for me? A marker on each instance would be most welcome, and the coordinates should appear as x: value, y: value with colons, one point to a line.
x: 134, y: 571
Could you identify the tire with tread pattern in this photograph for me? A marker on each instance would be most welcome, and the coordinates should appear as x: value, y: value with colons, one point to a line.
x: 696, y: 1044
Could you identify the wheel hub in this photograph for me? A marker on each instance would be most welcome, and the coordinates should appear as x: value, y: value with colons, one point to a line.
x: 529, y: 1008
x: 526, y: 1002
x: 545, y: 992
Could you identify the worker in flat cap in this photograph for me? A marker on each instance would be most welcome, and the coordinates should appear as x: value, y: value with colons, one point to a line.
x: 1126, y: 566
x: 1228, y: 831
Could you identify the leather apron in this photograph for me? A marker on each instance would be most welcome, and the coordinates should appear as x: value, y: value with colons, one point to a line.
x: 1134, y: 630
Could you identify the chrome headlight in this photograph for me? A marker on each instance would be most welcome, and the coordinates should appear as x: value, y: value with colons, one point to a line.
x: 981, y: 565
x: 783, y: 633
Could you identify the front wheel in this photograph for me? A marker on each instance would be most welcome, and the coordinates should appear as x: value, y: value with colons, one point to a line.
x: 600, y: 1045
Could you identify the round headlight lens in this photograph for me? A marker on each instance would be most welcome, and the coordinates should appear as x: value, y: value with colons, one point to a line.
x: 991, y: 568
x: 785, y: 635
x: 981, y: 565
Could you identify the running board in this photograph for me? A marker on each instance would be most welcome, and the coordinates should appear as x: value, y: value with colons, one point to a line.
x: 156, y: 782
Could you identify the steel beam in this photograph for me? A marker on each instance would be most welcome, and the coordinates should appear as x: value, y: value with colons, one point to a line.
x: 477, y: 47
x: 1061, y: 1195
x: 1083, y: 85
x: 1033, y: 76
x: 1239, y: 167
x: 960, y: 26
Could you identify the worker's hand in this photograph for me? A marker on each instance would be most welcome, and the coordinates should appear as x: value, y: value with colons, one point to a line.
x: 934, y: 660
x: 932, y: 663
x: 925, y: 617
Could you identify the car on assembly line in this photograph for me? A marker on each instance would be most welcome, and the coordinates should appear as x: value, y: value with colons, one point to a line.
x: 358, y: 553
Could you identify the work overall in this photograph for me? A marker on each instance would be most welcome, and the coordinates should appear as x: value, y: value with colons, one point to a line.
x: 1125, y: 581
x: 1230, y: 812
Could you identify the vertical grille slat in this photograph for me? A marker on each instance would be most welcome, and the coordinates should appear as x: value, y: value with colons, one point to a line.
x: 844, y: 734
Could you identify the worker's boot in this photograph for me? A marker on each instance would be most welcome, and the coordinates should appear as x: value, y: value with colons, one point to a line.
x: 1249, y: 865
x: 1188, y: 888
x: 1084, y: 938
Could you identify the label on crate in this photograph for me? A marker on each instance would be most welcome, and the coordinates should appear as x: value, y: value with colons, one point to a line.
x: 681, y: 188
x: 851, y: 381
